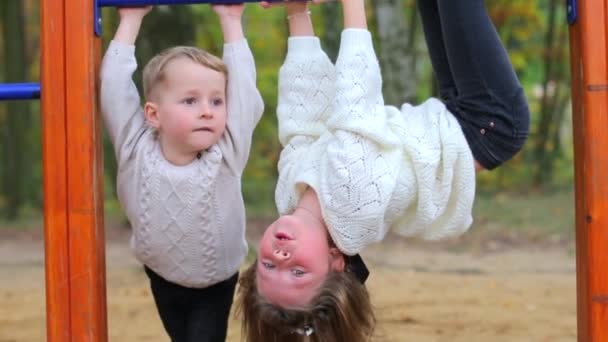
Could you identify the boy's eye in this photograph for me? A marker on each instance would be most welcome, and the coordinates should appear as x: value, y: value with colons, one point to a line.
x: 189, y: 100
x: 297, y: 273
x: 218, y: 102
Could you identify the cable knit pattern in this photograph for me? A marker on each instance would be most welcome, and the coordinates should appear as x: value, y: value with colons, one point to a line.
x: 188, y: 221
x: 175, y: 200
x: 373, y: 167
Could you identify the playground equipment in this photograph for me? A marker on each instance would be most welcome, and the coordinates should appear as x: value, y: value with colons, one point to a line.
x: 73, y: 172
x: 589, y: 68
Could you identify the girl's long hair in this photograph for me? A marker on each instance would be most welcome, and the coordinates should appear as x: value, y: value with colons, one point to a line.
x: 340, y: 312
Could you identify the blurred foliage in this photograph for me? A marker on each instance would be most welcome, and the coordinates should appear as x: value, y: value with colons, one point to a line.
x: 534, y: 32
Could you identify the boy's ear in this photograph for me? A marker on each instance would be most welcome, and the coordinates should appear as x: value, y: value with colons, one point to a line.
x: 151, y: 114
x: 337, y: 259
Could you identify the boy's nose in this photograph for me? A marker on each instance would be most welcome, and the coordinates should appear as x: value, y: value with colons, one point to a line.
x: 281, y: 254
x: 205, y: 111
x: 206, y: 114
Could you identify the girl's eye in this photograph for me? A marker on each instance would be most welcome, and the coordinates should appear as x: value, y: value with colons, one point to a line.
x: 267, y: 265
x: 297, y: 273
x: 218, y: 102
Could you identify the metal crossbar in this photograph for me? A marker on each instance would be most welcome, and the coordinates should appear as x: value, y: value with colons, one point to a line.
x: 19, y: 91
x: 31, y: 91
x: 127, y: 3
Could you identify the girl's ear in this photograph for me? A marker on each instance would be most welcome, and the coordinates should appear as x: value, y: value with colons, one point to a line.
x: 337, y: 259
x: 151, y: 114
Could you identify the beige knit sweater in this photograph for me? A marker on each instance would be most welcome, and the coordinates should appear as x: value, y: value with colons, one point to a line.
x: 188, y: 221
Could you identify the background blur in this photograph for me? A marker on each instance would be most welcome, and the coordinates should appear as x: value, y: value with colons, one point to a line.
x: 510, y: 278
x: 535, y: 33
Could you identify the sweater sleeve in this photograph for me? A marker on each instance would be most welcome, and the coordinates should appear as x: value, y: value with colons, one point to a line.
x: 120, y: 101
x: 244, y: 107
x: 306, y: 92
x: 385, y: 169
x: 361, y: 163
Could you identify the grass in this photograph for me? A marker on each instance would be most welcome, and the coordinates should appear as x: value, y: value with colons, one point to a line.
x: 536, y: 213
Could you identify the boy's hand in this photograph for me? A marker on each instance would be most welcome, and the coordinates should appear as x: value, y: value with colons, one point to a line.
x: 130, y: 22
x: 133, y: 13
x: 229, y: 11
x: 230, y: 20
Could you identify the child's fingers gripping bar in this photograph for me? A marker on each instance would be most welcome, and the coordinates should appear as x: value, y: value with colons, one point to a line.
x: 139, y: 3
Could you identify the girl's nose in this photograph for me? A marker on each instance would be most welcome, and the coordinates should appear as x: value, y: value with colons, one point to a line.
x: 281, y: 254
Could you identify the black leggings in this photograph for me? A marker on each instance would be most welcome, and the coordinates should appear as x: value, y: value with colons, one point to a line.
x: 476, y: 79
x: 193, y: 315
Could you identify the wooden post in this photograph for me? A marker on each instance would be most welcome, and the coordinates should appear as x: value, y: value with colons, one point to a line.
x: 73, y: 173
x: 54, y: 165
x: 589, y: 58
x: 85, y: 176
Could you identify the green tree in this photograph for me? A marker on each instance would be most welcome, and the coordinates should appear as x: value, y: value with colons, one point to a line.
x: 397, y: 31
x: 15, y: 146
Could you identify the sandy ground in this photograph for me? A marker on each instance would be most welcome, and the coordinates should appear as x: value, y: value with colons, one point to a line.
x: 490, y: 289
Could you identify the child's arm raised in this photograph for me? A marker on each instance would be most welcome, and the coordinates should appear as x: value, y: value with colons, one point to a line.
x: 360, y: 165
x: 119, y: 99
x: 244, y: 102
x: 231, y: 21
x: 354, y: 14
x: 130, y: 23
x: 306, y: 91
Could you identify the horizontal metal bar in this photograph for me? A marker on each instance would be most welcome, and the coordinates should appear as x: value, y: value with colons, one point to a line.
x: 134, y: 3
x: 19, y: 91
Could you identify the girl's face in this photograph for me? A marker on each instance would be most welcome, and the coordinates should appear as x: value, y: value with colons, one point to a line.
x: 294, y: 259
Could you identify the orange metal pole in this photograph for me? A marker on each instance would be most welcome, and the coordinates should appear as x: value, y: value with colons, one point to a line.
x: 589, y: 61
x: 85, y: 176
x: 55, y: 173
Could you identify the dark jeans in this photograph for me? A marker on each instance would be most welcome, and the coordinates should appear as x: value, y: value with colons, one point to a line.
x: 476, y: 79
x: 193, y: 315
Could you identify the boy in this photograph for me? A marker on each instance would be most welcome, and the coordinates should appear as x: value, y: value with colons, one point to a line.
x: 180, y: 160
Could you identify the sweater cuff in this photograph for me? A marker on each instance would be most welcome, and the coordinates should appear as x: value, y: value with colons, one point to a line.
x: 303, y: 45
x: 353, y: 37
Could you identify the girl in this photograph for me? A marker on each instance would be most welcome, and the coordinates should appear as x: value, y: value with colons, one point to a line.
x: 352, y: 168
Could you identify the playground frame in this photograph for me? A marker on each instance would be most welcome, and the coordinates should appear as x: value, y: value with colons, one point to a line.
x: 73, y: 169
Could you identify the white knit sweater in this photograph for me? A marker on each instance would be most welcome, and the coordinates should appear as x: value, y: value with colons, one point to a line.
x: 374, y: 168
x: 188, y: 221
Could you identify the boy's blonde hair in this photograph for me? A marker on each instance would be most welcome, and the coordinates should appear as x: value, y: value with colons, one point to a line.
x: 340, y: 312
x: 154, y: 71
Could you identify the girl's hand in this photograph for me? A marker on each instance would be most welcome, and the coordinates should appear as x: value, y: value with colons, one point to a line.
x: 229, y: 11
x: 133, y: 12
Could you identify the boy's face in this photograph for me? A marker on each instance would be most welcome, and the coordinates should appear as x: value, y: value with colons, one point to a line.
x: 189, y: 110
